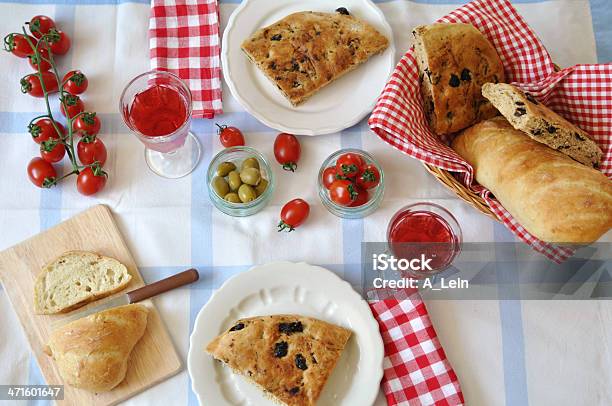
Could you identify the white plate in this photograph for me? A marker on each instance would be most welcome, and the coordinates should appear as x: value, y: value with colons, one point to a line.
x: 337, y: 106
x: 286, y: 287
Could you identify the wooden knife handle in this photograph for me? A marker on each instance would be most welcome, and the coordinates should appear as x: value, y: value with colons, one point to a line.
x: 171, y: 282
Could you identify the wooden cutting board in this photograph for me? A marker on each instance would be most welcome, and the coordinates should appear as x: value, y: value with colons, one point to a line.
x: 154, y: 358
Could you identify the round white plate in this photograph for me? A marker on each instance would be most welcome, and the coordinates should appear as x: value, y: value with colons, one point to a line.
x: 339, y: 105
x: 281, y: 288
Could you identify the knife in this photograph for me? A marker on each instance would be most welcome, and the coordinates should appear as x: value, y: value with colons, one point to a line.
x: 136, y: 295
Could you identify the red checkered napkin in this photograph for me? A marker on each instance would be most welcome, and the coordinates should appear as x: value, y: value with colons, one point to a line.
x: 184, y: 39
x: 416, y: 371
x: 583, y: 94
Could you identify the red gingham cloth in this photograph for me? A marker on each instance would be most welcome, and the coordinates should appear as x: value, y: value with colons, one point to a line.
x: 184, y: 40
x: 416, y: 371
x: 583, y: 94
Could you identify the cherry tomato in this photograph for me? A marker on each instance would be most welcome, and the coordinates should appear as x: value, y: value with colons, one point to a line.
x: 43, y: 129
x: 361, y: 199
x: 329, y: 176
x: 343, y: 192
x: 59, y: 41
x: 52, y: 151
x: 369, y: 177
x: 90, y: 152
x: 349, y: 165
x: 31, y: 85
x: 287, y: 151
x: 18, y: 45
x: 75, y: 82
x: 87, y: 124
x: 40, y: 25
x: 230, y: 136
x: 91, y: 181
x: 41, y: 173
x: 35, y: 61
x: 293, y: 214
x: 74, y: 105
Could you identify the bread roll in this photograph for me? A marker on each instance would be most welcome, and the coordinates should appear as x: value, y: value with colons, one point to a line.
x: 554, y: 197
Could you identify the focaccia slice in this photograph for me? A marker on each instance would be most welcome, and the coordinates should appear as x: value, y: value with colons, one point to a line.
x: 305, y: 51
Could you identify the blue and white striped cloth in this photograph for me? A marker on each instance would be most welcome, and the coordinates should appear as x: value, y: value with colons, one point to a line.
x: 504, y: 352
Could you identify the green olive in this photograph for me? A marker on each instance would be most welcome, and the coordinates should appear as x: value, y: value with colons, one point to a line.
x: 232, y: 197
x: 250, y: 176
x: 224, y: 168
x: 220, y: 186
x: 250, y: 163
x: 247, y: 193
x: 263, y: 185
x: 234, y: 180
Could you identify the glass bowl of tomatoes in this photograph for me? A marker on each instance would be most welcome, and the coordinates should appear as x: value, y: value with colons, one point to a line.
x: 351, y: 183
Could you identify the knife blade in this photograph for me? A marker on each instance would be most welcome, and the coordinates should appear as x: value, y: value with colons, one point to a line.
x: 135, y: 296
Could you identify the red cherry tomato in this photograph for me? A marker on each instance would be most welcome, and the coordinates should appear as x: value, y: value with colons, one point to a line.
x: 369, y: 177
x: 91, y: 181
x: 40, y: 25
x: 74, y: 105
x: 329, y: 176
x: 43, y: 129
x: 90, y: 152
x: 31, y: 85
x: 52, y: 151
x: 59, y: 41
x: 343, y: 192
x: 41, y: 173
x: 18, y: 45
x: 87, y: 124
x: 230, y: 136
x: 287, y: 151
x: 75, y: 82
x: 361, y: 199
x: 293, y: 214
x: 349, y: 165
x: 40, y: 60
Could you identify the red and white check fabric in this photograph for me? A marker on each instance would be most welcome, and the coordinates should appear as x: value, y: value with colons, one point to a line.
x: 416, y: 371
x: 184, y: 40
x: 582, y: 94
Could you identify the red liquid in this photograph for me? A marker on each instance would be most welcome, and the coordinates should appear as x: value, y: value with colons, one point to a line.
x: 430, y: 234
x: 158, y: 111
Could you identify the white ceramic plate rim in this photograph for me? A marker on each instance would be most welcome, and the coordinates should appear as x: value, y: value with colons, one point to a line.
x: 196, y: 343
x: 276, y: 124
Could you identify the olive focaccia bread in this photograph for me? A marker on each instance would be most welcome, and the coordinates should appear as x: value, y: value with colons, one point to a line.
x: 554, y: 197
x: 454, y: 61
x: 527, y: 114
x: 305, y: 51
x: 288, y: 356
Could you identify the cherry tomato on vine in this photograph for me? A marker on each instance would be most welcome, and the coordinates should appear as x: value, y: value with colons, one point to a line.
x: 59, y: 42
x: 293, y: 214
x: 349, y: 165
x: 230, y: 136
x: 40, y: 25
x: 87, y: 124
x: 31, y: 85
x: 91, y: 151
x: 369, y: 177
x: 343, y: 192
x: 329, y: 176
x: 41, y: 60
x: 361, y: 199
x: 52, y: 151
x: 287, y: 151
x: 74, y: 105
x: 43, y: 129
x: 18, y: 45
x: 41, y: 173
x: 91, y: 181
x: 75, y: 82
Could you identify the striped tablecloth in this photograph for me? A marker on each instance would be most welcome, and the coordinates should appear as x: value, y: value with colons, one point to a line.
x: 504, y: 352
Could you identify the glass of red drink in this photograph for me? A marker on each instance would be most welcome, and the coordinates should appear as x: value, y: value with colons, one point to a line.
x: 428, y: 229
x: 156, y: 106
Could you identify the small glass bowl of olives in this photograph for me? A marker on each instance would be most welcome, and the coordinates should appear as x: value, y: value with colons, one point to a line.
x: 240, y: 181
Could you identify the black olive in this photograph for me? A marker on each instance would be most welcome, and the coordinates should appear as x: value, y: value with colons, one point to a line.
x: 530, y: 97
x: 237, y: 327
x: 294, y: 390
x: 300, y: 362
x: 520, y: 112
x: 454, y: 80
x: 280, y: 349
x: 519, y: 103
x: 465, y: 75
x: 552, y: 129
x: 289, y: 328
x: 276, y: 37
x: 342, y: 10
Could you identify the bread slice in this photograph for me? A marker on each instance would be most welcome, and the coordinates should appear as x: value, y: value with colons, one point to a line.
x: 305, y: 51
x: 527, y: 114
x: 454, y: 61
x: 288, y: 356
x: 77, y: 278
x: 92, y: 353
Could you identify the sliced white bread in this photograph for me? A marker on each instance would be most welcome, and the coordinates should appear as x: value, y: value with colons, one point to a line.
x: 75, y: 279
